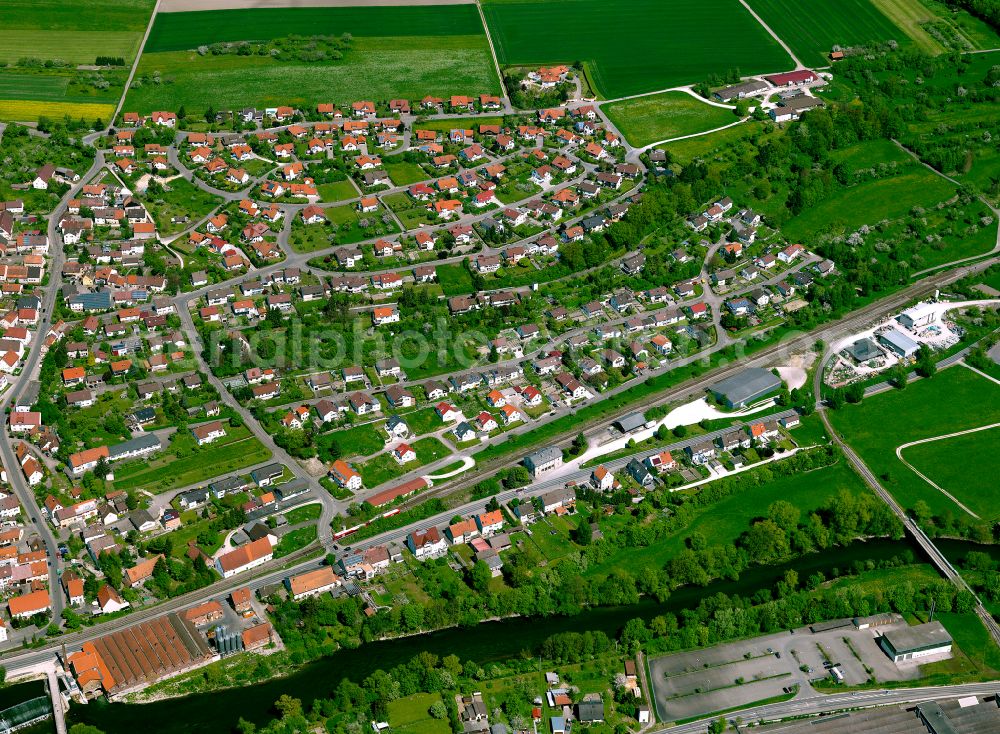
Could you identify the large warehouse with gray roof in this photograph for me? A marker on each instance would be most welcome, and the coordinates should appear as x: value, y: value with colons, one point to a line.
x: 746, y: 387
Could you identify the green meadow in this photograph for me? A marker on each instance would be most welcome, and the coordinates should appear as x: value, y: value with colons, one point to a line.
x: 650, y: 119
x: 395, y: 52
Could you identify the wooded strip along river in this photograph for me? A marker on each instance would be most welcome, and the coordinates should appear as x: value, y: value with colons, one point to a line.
x: 217, y: 712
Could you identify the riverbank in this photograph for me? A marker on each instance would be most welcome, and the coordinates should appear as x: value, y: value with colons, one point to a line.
x: 211, y: 711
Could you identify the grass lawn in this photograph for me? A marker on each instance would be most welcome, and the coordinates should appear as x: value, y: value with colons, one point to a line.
x: 870, y: 153
x: 184, y: 463
x: 977, y: 655
x: 337, y: 190
x: 357, y: 441
x: 310, y: 237
x: 293, y: 541
x: 440, y: 50
x: 953, y: 400
x: 703, y: 38
x: 722, y: 522
x: 453, y: 123
x: 868, y: 203
x: 455, y: 279
x: 812, y: 35
x: 704, y: 146
x: 182, y: 198
x: 966, y: 466
x: 303, y: 513
x: 404, y: 173
x: 424, y: 420
x: 646, y: 120
x: 384, y: 467
x: 410, y: 715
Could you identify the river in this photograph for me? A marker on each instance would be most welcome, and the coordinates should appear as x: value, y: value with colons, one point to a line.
x: 217, y: 712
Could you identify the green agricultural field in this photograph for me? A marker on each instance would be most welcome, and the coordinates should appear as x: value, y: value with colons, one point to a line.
x: 922, y: 19
x: 870, y: 202
x: 684, y: 41
x: 953, y: 400
x: 74, y: 31
x: 966, y: 466
x: 430, y: 50
x: 811, y: 35
x: 647, y: 120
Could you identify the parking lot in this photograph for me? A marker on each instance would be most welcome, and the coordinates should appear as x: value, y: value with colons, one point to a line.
x: 700, y: 682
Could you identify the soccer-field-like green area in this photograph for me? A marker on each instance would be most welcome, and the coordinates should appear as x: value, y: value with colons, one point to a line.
x: 656, y: 117
x: 406, y: 52
x: 953, y: 400
x: 812, y: 30
x: 637, y: 46
x: 966, y: 466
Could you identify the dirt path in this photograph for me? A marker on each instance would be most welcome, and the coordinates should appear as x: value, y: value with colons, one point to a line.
x: 180, y: 6
x: 775, y: 36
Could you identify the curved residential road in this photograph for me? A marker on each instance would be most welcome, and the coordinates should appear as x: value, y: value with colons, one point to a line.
x: 29, y: 370
x: 946, y: 493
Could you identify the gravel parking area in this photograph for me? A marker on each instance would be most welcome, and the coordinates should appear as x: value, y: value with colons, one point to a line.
x: 700, y: 682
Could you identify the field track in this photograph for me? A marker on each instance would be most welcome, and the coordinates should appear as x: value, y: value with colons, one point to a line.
x: 182, y: 6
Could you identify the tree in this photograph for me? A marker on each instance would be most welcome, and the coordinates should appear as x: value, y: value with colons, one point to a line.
x: 288, y: 706
x: 438, y: 710
x: 582, y: 533
x: 480, y: 576
x: 717, y: 726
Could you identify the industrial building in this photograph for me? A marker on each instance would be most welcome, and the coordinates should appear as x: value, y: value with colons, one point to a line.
x: 906, y: 644
x: 919, y: 316
x: 898, y: 343
x: 746, y: 387
x: 127, y: 660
